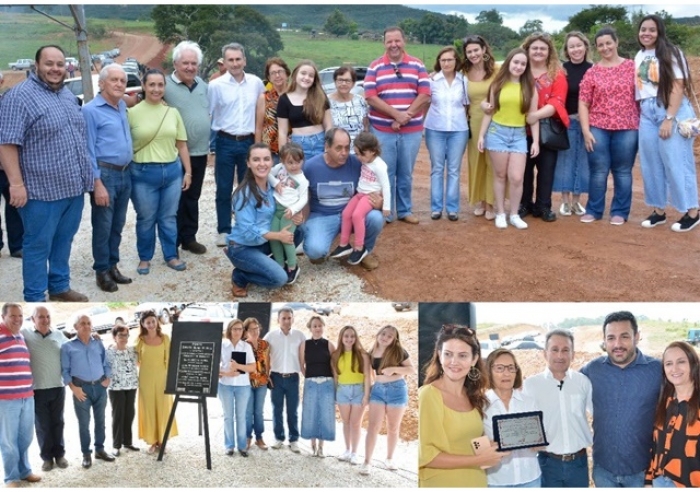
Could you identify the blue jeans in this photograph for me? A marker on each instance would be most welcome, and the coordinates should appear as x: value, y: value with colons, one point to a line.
x: 13, y: 222
x: 254, y: 415
x: 285, y: 389
x: 253, y: 266
x: 234, y: 400
x: 311, y: 144
x: 536, y: 484
x: 97, y: 400
x: 604, y: 479
x: 663, y: 482
x: 613, y: 152
x: 557, y: 473
x: 49, y: 228
x: 155, y: 191
x: 16, y: 434
x: 668, y: 166
x: 318, y: 410
x: 571, y: 173
x: 392, y: 394
x: 108, y: 222
x: 319, y: 231
x: 446, y: 151
x: 230, y: 157
x: 399, y: 151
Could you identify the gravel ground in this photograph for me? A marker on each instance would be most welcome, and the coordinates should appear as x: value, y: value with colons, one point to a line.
x: 207, y: 278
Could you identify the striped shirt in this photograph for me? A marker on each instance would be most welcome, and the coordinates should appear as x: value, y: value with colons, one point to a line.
x: 383, y: 81
x: 15, y: 371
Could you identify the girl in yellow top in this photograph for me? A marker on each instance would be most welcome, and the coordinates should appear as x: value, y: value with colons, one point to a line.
x: 351, y: 368
x: 451, y: 407
x: 511, y: 96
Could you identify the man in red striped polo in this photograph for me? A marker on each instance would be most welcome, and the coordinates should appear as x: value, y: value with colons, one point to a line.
x: 397, y: 87
x: 16, y: 399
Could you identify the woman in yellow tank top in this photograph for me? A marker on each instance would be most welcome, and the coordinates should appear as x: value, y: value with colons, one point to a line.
x: 351, y: 369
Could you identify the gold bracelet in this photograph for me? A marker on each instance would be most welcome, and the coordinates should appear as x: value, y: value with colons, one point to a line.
x: 188, y: 174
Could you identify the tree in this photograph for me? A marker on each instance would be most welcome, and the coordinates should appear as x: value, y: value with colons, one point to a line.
x: 456, y: 27
x: 489, y: 16
x: 598, y: 15
x: 531, y: 26
x: 337, y: 24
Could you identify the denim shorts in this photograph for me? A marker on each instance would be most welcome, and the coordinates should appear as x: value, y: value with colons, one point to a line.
x: 501, y: 138
x: 350, y: 394
x: 394, y: 394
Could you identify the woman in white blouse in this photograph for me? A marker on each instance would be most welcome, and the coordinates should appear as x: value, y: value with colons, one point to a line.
x: 349, y: 111
x: 446, y: 132
x: 521, y: 468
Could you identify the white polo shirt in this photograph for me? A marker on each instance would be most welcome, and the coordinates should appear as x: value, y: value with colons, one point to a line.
x: 232, y: 104
x: 226, y: 348
x: 284, y: 350
x: 564, y: 407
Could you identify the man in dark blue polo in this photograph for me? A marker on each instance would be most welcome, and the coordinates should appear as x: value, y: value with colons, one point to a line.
x: 86, y: 371
x: 110, y: 148
x: 625, y: 391
x: 43, y: 151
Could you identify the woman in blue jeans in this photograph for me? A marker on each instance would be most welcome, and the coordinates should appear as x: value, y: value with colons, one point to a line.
x: 259, y: 379
x: 160, y: 154
x: 446, y: 132
x: 237, y: 362
x: 248, y: 247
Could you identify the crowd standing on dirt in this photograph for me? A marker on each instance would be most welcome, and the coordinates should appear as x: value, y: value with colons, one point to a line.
x: 531, y: 126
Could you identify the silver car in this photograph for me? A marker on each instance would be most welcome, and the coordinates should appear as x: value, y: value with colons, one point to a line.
x: 326, y: 76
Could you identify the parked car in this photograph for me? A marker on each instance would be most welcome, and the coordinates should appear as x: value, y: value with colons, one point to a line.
x: 167, y: 312
x: 693, y: 337
x: 75, y: 85
x: 525, y: 345
x: 296, y: 306
x: 326, y: 76
x: 74, y: 61
x: 401, y: 306
x: 206, y: 313
x: 101, y: 316
x: 22, y: 64
x: 488, y: 346
x: 326, y: 308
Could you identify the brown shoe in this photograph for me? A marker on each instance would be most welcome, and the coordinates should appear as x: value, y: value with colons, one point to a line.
x: 239, y: 291
x: 247, y: 448
x: 13, y: 485
x: 68, y: 296
x: 261, y: 444
x: 410, y: 219
x: 32, y: 478
x: 370, y: 262
x: 118, y: 277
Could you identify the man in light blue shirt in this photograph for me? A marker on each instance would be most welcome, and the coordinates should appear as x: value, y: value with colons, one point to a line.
x: 111, y: 150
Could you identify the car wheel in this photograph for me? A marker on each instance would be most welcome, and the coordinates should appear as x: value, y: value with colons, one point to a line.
x: 165, y: 317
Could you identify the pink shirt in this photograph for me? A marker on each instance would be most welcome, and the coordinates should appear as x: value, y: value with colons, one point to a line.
x: 609, y: 93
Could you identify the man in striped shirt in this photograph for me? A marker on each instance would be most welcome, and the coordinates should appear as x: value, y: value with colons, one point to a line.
x: 16, y: 399
x: 397, y: 88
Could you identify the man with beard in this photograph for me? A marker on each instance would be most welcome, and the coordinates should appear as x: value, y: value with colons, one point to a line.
x: 625, y: 390
x: 43, y: 150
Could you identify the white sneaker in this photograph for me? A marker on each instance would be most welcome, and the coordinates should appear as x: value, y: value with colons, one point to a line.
x: 517, y: 222
x: 294, y: 446
x: 390, y: 465
x: 579, y: 209
x: 355, y: 460
x: 277, y: 445
x: 565, y: 209
x: 345, y: 456
x: 501, y: 221
x: 222, y: 239
x: 364, y: 469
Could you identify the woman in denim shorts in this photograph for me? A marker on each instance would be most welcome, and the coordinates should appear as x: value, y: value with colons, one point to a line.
x: 351, y: 366
x: 511, y: 97
x: 318, y: 406
x: 389, y: 395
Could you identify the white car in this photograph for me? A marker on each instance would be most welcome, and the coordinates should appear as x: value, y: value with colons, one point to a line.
x: 206, y: 313
x: 101, y: 316
x: 326, y: 76
x: 75, y: 85
x: 22, y: 64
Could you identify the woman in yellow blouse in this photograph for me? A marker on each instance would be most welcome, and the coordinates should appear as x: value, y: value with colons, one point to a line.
x: 451, y: 406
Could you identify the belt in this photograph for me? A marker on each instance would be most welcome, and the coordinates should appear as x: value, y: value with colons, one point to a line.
x: 238, y: 138
x: 574, y: 116
x: 566, y: 457
x: 286, y: 374
x: 113, y: 167
x: 81, y: 382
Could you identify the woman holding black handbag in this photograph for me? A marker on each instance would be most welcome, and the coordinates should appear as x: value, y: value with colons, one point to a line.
x: 551, y: 84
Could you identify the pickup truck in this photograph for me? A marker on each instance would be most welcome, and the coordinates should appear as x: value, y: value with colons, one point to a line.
x: 693, y: 337
x: 22, y: 64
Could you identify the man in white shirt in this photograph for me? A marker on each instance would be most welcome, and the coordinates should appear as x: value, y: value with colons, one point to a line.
x: 232, y: 103
x: 564, y: 396
x: 284, y: 377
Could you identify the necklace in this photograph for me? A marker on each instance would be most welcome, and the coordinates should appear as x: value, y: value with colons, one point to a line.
x: 316, y: 340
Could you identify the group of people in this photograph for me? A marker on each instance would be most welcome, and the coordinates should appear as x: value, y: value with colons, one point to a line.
x: 645, y: 412
x: 36, y: 365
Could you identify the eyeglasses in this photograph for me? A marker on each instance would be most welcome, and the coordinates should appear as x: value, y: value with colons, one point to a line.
x: 343, y: 81
x: 399, y: 75
x: 500, y: 368
x: 275, y: 73
x: 454, y: 329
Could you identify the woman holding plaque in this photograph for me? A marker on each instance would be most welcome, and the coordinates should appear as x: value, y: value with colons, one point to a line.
x: 237, y: 362
x: 153, y: 351
x: 451, y: 408
x: 258, y: 382
x: 521, y: 468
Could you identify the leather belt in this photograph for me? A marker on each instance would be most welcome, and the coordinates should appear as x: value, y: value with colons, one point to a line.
x: 285, y: 375
x: 113, y: 167
x: 566, y: 457
x: 81, y: 382
x: 238, y: 138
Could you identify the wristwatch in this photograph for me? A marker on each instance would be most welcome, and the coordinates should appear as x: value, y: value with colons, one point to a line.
x: 669, y: 117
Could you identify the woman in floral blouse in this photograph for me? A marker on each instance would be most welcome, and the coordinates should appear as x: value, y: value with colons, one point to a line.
x: 258, y: 381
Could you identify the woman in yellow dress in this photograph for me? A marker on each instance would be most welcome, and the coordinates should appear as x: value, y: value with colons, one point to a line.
x: 451, y: 408
x: 153, y: 350
x: 480, y: 69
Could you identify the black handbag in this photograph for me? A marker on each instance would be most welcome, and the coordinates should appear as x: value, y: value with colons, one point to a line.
x: 553, y: 134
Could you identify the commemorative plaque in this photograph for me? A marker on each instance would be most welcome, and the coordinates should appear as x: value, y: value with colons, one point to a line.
x: 195, y: 353
x: 519, y: 431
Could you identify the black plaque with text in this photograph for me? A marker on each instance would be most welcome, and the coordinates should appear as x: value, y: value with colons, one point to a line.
x: 195, y: 354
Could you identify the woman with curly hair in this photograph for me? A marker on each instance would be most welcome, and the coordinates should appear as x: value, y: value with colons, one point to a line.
x: 276, y: 73
x: 451, y: 408
x: 258, y: 382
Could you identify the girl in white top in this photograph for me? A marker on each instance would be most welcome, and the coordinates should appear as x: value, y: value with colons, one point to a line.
x: 373, y: 178
x: 291, y: 195
x: 234, y: 386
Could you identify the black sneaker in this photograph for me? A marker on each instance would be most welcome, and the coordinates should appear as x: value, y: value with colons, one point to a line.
x: 686, y: 223
x: 547, y: 215
x: 357, y: 256
x: 523, y: 211
x: 293, y: 275
x: 341, y: 251
x: 655, y: 219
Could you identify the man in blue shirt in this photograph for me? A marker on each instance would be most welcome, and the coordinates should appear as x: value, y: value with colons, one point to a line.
x: 86, y: 371
x: 110, y: 148
x: 43, y: 151
x: 333, y: 178
x: 626, y: 387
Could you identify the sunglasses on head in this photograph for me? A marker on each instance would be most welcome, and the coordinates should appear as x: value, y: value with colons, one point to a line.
x: 455, y: 329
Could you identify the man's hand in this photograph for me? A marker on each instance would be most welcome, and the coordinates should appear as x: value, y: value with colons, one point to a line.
x: 78, y: 393
x: 105, y: 382
x: 18, y: 196
x: 298, y: 218
x: 377, y: 200
x: 101, y: 194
